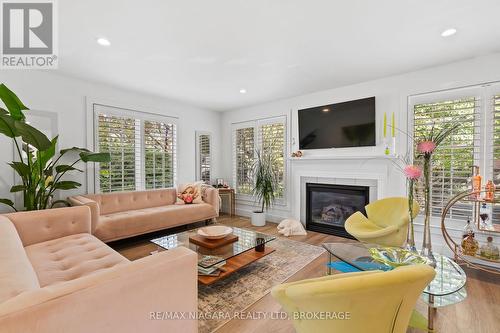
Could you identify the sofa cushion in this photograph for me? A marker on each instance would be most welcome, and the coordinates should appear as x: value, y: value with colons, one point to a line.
x: 71, y: 257
x: 110, y: 203
x: 135, y: 222
x: 16, y: 273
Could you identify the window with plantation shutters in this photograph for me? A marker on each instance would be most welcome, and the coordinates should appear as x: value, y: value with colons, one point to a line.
x: 142, y: 148
x: 272, y: 140
x: 117, y: 136
x: 159, y: 154
x: 494, y: 151
x: 453, y: 159
x: 244, y: 146
x: 495, y: 124
x: 267, y: 135
x: 203, y: 157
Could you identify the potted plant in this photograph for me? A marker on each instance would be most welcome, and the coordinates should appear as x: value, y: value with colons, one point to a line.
x: 266, y: 183
x: 40, y: 171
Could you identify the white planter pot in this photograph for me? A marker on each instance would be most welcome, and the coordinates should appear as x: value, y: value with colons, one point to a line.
x: 258, y: 219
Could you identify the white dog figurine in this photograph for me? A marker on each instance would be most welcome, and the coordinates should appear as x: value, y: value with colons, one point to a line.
x: 289, y: 227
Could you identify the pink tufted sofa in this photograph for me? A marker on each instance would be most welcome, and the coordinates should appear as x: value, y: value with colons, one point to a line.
x: 125, y: 214
x: 57, y: 277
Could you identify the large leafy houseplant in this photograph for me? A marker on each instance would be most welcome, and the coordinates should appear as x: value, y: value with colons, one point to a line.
x: 40, y: 171
x: 266, y: 184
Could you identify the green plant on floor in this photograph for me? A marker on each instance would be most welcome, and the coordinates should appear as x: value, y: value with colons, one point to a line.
x: 266, y: 179
x: 41, y: 172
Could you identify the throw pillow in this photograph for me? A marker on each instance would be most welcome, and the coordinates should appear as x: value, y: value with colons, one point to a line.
x: 189, y: 193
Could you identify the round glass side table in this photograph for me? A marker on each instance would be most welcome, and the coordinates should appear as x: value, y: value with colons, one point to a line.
x: 447, y: 287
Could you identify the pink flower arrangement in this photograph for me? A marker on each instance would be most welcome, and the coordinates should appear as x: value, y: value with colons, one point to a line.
x: 412, y: 172
x: 426, y: 147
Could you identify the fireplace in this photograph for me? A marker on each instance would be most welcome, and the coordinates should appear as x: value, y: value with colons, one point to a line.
x: 328, y: 206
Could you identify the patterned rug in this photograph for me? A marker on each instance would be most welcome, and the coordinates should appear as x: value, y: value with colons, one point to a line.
x: 243, y: 288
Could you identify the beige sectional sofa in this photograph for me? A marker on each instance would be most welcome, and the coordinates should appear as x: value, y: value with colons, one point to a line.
x: 55, y: 276
x: 125, y: 214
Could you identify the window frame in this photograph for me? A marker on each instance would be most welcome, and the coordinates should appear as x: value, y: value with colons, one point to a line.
x: 198, y: 134
x: 482, y: 93
x: 138, y: 113
x: 255, y: 124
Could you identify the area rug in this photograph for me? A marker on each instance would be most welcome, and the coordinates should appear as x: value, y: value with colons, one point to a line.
x: 243, y: 288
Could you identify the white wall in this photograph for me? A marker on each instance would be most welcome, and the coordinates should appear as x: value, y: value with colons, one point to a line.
x: 66, y: 97
x: 391, y: 96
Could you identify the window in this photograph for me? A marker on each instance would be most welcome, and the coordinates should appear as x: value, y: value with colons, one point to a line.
x: 244, y: 153
x: 494, y: 162
x: 272, y: 140
x: 142, y: 149
x: 453, y: 159
x: 159, y: 153
x: 495, y: 123
x: 203, y: 157
x: 266, y: 134
x: 117, y: 137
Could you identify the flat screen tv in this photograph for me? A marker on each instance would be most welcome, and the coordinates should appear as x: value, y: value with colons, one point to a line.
x: 340, y: 125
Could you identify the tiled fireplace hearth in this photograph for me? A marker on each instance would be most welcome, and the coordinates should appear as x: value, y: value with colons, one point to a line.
x: 329, y: 205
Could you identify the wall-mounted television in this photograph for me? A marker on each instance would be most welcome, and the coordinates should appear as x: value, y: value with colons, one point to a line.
x: 339, y: 125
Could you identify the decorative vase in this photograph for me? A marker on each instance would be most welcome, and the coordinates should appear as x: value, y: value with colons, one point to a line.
x: 410, y: 236
x: 427, y: 244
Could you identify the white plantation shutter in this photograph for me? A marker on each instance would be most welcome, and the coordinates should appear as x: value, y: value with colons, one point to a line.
x: 204, y: 157
x: 159, y: 154
x: 272, y: 138
x: 117, y: 136
x: 268, y: 134
x: 142, y: 148
x: 494, y: 150
x: 244, y: 149
x: 454, y: 157
x: 495, y: 147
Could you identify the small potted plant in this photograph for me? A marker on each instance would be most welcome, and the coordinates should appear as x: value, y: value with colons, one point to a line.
x: 266, y: 183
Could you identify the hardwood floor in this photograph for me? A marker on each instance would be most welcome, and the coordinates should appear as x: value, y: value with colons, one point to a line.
x: 479, y: 313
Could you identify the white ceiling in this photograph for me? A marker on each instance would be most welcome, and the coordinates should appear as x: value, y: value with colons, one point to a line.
x: 203, y: 52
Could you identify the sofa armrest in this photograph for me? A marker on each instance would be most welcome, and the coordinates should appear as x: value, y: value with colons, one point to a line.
x: 95, y: 211
x: 212, y: 198
x: 127, y: 298
x: 43, y: 225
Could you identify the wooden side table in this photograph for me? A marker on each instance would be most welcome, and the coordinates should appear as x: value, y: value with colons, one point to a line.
x: 229, y: 193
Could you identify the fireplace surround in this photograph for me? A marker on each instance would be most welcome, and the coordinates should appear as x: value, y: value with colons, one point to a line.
x: 329, y: 205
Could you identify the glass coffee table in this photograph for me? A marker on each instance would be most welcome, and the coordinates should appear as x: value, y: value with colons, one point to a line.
x: 229, y: 258
x: 447, y: 288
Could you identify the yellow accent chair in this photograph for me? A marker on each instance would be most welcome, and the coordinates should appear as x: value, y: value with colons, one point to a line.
x: 360, y: 302
x: 386, y: 224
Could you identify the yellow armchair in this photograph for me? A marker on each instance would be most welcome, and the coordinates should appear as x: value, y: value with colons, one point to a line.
x: 386, y: 224
x: 371, y: 301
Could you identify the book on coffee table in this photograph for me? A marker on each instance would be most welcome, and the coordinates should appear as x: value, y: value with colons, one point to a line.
x: 210, y: 265
x: 208, y: 260
x: 213, y: 274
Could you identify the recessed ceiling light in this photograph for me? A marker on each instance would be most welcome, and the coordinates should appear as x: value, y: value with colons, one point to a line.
x: 243, y: 91
x: 326, y: 110
x: 449, y: 32
x: 103, y: 41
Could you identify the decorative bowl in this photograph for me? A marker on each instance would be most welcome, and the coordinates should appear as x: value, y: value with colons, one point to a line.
x: 395, y: 257
x: 215, y: 231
